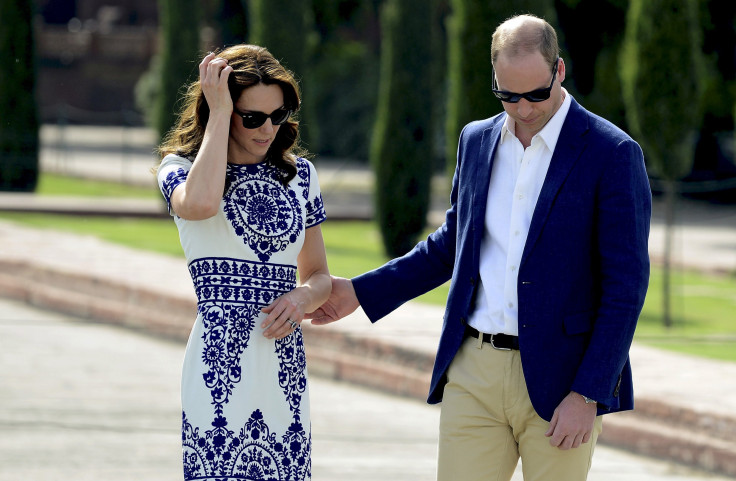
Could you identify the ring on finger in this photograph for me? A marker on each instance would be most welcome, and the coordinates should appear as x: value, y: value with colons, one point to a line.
x: 293, y: 324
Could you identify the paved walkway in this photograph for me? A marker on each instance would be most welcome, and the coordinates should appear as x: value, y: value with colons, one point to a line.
x: 104, y: 405
x: 686, y: 407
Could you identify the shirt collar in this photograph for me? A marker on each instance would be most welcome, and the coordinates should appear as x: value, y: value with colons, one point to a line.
x: 550, y: 133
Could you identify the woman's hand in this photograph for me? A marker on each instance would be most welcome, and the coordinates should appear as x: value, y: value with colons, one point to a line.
x: 284, y: 315
x: 213, y: 74
x: 287, y: 312
x: 199, y: 197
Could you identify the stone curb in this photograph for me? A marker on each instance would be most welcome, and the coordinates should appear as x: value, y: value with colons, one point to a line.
x: 671, y: 437
x: 654, y: 429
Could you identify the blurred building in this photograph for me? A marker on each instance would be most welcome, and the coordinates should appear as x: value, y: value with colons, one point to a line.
x: 90, y: 55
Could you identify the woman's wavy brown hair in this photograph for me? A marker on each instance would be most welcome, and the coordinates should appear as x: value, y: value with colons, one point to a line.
x: 252, y: 65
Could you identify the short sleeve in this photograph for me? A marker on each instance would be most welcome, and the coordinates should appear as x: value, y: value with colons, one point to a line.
x: 315, y: 208
x: 172, y: 172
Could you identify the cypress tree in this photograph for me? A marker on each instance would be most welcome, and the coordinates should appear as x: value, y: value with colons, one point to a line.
x: 661, y: 77
x: 713, y: 160
x: 469, y: 70
x: 180, y: 57
x: 232, y: 16
x: 342, y: 77
x: 19, y: 122
x: 593, y: 53
x: 401, y: 146
x: 283, y: 27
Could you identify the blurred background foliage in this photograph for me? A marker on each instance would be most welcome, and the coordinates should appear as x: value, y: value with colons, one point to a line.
x: 401, y: 145
x: 126, y: 62
x: 19, y: 123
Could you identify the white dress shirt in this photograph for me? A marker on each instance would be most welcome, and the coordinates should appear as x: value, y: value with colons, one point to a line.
x: 517, y: 177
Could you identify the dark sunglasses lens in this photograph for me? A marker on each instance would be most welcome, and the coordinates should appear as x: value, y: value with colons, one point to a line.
x: 253, y: 120
x: 507, y: 97
x: 537, y: 95
x: 280, y: 116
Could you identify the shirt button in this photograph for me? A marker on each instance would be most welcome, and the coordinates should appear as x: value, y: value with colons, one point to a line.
x: 511, y: 304
x: 513, y: 268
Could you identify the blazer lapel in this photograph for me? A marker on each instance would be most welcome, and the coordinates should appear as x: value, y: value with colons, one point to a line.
x: 482, y: 180
x: 569, y: 148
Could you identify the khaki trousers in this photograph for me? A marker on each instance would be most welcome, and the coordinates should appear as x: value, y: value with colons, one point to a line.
x: 487, y: 423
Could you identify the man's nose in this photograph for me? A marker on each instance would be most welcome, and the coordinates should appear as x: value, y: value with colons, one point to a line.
x: 524, y: 108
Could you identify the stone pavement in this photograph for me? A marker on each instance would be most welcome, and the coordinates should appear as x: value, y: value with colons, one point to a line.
x: 89, y: 401
x: 686, y: 407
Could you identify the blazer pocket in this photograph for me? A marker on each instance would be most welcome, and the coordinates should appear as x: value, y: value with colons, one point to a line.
x: 578, y: 323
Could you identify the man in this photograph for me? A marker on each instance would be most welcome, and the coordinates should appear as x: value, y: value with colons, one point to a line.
x: 546, y: 246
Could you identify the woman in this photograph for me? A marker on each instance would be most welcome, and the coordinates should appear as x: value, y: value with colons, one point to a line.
x: 248, y: 211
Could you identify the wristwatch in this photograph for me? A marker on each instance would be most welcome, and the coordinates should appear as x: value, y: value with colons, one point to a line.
x: 589, y: 401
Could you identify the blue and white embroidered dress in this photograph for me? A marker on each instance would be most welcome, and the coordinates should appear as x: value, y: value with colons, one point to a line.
x: 245, y: 398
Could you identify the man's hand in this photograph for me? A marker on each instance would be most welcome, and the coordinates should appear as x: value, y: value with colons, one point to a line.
x: 342, y: 301
x: 572, y: 422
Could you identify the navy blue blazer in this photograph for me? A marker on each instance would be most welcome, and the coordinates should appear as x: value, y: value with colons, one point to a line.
x: 584, y: 271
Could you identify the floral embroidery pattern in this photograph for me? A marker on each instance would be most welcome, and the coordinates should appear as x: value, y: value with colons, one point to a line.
x: 255, y: 453
x: 262, y: 211
x: 230, y: 293
x: 225, y: 339
x: 302, y: 173
x: 173, y: 179
x: 315, y: 208
x: 243, y: 417
x: 315, y: 212
x: 293, y: 368
x: 220, y: 279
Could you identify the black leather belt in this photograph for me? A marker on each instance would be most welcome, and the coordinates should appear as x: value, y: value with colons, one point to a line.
x: 503, y: 342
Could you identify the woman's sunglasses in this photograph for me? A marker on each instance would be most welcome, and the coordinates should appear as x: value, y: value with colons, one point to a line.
x: 539, y: 95
x: 253, y: 120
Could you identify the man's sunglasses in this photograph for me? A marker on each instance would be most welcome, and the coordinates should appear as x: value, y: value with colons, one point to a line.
x: 539, y: 95
x: 253, y: 120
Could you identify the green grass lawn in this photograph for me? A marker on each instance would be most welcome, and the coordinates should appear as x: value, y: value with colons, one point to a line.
x: 704, y: 315
x: 51, y: 184
x: 703, y: 306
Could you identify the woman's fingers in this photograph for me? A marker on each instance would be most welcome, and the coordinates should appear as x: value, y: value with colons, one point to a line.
x: 215, y: 71
x: 281, y: 327
x: 203, y: 64
x: 283, y: 318
x: 213, y: 75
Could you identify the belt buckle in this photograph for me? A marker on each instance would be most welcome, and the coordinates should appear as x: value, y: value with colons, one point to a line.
x: 493, y: 344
